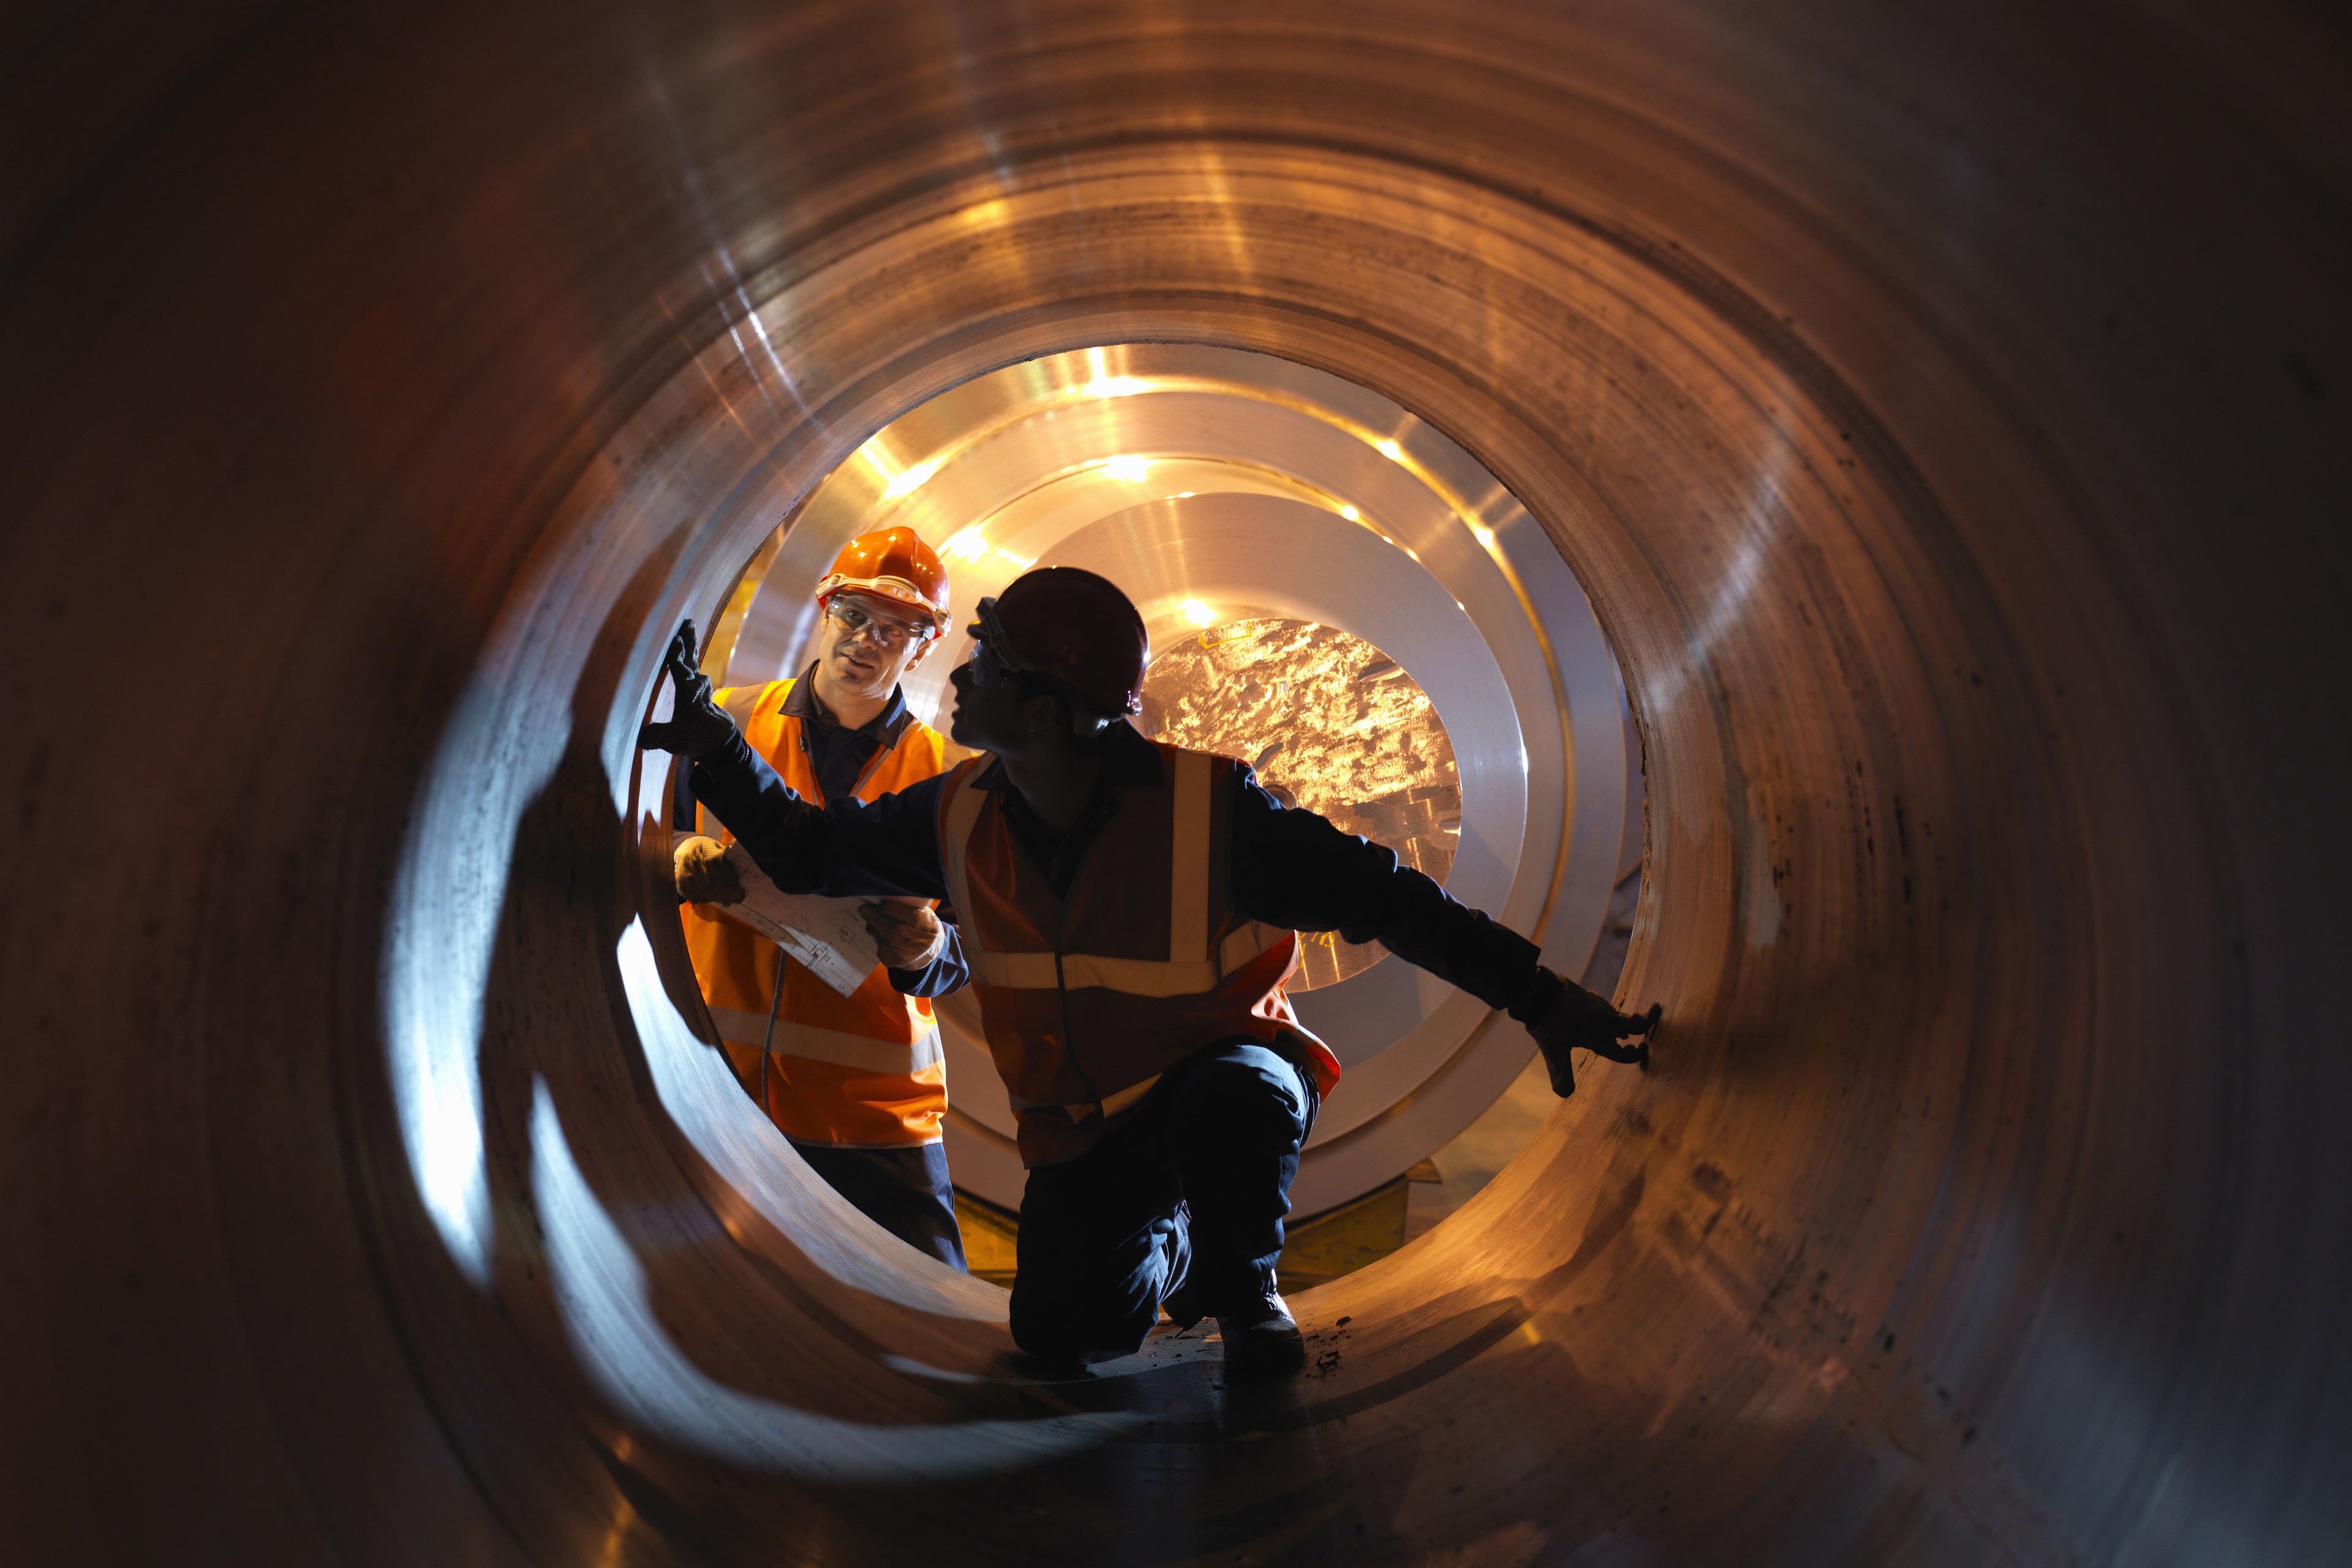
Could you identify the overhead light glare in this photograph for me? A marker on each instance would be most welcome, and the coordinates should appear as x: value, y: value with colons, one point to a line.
x: 1130, y: 469
x: 969, y: 545
x: 910, y: 480
x: 1199, y: 614
x: 1482, y: 535
x: 1352, y: 514
x: 1023, y: 562
x: 1117, y: 386
x: 1390, y: 450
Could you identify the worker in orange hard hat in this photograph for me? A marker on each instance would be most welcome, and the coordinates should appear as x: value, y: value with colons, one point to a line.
x: 856, y: 1082
x: 1130, y: 912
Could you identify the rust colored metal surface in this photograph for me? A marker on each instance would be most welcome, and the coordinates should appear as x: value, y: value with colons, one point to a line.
x: 1944, y: 409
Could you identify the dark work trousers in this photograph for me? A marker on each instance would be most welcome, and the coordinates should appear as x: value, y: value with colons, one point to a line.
x: 904, y: 1191
x: 1191, y: 1191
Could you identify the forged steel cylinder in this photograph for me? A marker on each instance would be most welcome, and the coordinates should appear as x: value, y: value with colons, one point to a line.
x: 1941, y: 409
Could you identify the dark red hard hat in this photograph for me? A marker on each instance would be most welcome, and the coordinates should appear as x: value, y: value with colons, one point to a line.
x: 1074, y: 628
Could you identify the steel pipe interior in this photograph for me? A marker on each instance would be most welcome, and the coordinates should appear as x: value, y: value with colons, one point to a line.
x: 1941, y: 415
x: 1252, y: 486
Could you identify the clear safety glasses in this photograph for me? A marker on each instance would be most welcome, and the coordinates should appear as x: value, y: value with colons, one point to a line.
x: 881, y: 630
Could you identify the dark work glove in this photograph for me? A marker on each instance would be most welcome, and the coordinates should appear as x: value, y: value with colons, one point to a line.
x: 697, y: 726
x: 1563, y: 1016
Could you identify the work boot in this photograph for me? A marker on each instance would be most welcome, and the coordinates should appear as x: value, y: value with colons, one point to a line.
x: 1262, y: 1338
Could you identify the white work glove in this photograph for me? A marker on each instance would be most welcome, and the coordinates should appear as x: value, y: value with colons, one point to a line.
x: 704, y: 875
x: 908, y: 936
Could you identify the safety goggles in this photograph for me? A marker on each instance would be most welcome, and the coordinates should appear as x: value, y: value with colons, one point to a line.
x: 991, y: 665
x: 883, y: 631
x: 990, y: 668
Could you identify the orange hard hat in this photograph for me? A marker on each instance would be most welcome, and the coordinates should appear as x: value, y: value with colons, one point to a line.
x: 892, y: 564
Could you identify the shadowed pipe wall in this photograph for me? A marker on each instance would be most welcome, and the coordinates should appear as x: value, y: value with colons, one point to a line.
x: 1945, y: 415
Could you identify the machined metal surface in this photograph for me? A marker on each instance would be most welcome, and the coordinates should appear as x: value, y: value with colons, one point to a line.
x: 1250, y: 485
x: 1943, y: 411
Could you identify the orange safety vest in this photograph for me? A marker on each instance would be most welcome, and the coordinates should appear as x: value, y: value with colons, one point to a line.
x: 1087, y: 998
x: 859, y: 1071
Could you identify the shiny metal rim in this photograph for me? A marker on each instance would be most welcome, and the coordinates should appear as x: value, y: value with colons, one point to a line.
x: 1259, y: 486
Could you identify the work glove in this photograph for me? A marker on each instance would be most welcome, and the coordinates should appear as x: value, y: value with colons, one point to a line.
x: 697, y: 726
x: 906, y: 936
x: 704, y: 874
x: 1580, y: 1019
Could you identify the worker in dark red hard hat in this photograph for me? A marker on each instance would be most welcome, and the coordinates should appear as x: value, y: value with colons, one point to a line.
x: 1129, y: 910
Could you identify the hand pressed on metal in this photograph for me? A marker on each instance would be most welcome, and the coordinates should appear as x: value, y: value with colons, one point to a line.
x: 697, y: 726
x: 908, y: 936
x: 1581, y: 1019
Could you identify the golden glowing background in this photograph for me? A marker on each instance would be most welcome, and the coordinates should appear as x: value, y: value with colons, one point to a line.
x: 1331, y: 723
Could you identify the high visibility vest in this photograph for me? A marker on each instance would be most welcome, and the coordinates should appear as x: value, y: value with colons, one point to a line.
x: 1087, y: 998
x: 859, y: 1071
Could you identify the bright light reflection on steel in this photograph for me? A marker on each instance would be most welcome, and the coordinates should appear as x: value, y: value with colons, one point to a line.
x: 602, y: 1297
x: 913, y: 480
x: 447, y: 896
x: 1257, y: 433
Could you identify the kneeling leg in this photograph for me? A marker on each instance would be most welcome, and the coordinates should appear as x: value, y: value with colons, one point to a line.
x: 1238, y: 1118
x: 1103, y: 1239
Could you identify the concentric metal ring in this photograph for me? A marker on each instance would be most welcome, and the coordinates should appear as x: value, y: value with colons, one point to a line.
x: 1263, y: 487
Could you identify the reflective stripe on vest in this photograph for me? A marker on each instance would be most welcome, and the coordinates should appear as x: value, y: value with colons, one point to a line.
x: 1136, y: 976
x: 879, y: 1081
x: 1079, y: 1037
x: 1188, y: 971
x: 836, y: 1046
x: 1188, y: 890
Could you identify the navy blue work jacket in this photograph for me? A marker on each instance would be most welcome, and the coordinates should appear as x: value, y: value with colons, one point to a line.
x: 1289, y: 867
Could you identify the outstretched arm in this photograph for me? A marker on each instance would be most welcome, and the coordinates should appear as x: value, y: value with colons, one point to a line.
x: 845, y: 849
x: 1292, y: 867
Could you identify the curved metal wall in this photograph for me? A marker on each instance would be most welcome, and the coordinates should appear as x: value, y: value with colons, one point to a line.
x: 1272, y: 490
x: 1943, y: 413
